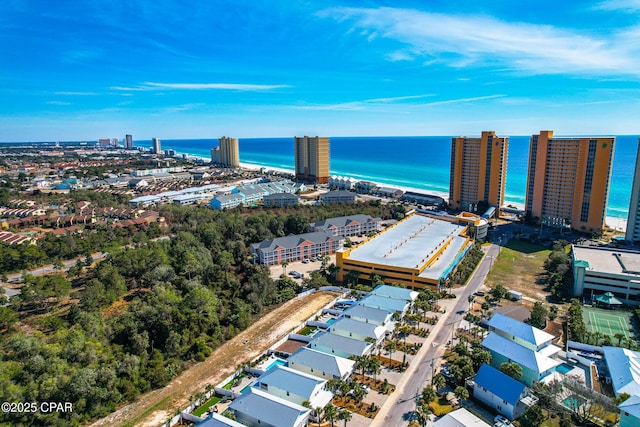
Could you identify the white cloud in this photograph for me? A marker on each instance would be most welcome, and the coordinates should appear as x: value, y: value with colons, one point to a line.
x: 463, y: 100
x: 148, y: 86
x: 75, y: 93
x: 627, y: 6
x: 361, y: 105
x: 58, y: 103
x: 464, y: 40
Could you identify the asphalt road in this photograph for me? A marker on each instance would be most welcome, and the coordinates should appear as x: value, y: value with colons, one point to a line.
x: 399, y: 409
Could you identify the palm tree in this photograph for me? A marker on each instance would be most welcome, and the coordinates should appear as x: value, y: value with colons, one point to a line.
x: 620, y: 337
x: 345, y: 416
x: 429, y: 394
x: 471, y: 299
x: 374, y: 367
x: 284, y: 265
x: 512, y: 369
x: 319, y: 414
x: 438, y: 381
x: 422, y: 413
x: 390, y: 347
x: 359, y: 393
x: 330, y: 413
x: 461, y: 393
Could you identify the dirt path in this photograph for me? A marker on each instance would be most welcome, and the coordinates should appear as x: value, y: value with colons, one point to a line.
x: 153, y: 408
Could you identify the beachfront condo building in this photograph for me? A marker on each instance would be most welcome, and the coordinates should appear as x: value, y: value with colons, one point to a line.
x: 128, y: 142
x: 478, y: 171
x: 155, y: 146
x: 568, y: 180
x: 229, y: 152
x: 633, y: 222
x: 312, y: 158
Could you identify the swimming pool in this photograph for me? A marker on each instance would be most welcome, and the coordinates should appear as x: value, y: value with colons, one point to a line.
x: 330, y: 321
x: 276, y: 362
x: 564, y: 368
x: 244, y: 390
x: 573, y: 402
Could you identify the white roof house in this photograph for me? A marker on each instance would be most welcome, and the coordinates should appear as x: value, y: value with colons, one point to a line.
x: 460, y: 418
x: 369, y: 314
x: 294, y: 386
x: 391, y: 305
x: 395, y: 292
x: 340, y: 345
x: 258, y: 408
x: 320, y: 364
x: 519, y: 332
x: 624, y: 369
x: 357, y: 329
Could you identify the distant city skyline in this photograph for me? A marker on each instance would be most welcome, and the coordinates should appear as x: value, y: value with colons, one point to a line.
x: 87, y: 70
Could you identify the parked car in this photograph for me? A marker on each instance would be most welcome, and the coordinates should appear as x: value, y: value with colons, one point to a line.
x: 305, y: 261
x: 501, y: 421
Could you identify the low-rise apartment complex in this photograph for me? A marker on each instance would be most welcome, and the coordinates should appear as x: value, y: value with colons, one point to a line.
x: 296, y: 247
x: 350, y: 225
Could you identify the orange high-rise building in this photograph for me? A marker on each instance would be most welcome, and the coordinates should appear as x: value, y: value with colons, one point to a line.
x: 478, y: 171
x: 312, y: 158
x: 568, y: 180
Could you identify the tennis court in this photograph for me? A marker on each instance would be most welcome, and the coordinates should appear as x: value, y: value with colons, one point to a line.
x: 608, y: 322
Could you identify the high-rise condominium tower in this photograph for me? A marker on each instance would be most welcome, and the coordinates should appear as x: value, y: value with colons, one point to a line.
x: 633, y: 222
x: 128, y: 142
x: 312, y: 158
x: 229, y: 154
x: 155, y: 144
x: 568, y: 180
x: 478, y: 171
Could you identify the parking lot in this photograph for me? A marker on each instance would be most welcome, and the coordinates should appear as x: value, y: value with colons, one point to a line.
x: 303, y: 268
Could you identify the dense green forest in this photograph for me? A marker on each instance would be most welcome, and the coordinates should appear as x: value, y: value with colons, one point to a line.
x: 102, y: 334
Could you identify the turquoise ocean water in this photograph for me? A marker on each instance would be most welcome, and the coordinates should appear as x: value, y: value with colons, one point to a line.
x: 418, y: 162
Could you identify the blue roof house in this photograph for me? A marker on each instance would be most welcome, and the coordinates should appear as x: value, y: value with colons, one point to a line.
x: 499, y: 391
x: 630, y: 412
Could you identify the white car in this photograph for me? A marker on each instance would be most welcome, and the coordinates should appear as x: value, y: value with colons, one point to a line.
x: 501, y: 421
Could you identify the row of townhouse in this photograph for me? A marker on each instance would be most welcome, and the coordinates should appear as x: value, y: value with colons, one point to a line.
x: 325, y: 238
x: 283, y: 395
x: 255, y: 193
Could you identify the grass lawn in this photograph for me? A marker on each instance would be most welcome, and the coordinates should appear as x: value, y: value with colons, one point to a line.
x: 205, y: 406
x: 440, y: 407
x: 518, y: 266
x: 307, y: 330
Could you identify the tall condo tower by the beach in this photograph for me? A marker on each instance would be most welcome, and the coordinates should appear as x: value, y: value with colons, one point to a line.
x: 128, y: 142
x: 633, y: 222
x: 312, y: 158
x: 568, y: 180
x: 478, y: 171
x: 229, y: 154
x: 155, y: 145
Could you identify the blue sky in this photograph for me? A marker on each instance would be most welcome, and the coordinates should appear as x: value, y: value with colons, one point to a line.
x: 82, y: 70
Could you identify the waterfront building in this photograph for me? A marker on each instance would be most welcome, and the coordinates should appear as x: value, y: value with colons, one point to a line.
x: 421, y: 251
x: 215, y: 155
x: 229, y: 152
x: 128, y: 142
x: 155, y: 146
x: 600, y: 270
x: 104, y: 142
x: 115, y: 142
x: 347, y: 226
x: 568, y: 180
x: 422, y: 198
x: 633, y: 221
x: 478, y: 171
x: 338, y: 196
x: 280, y: 200
x: 312, y: 158
x: 296, y: 247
